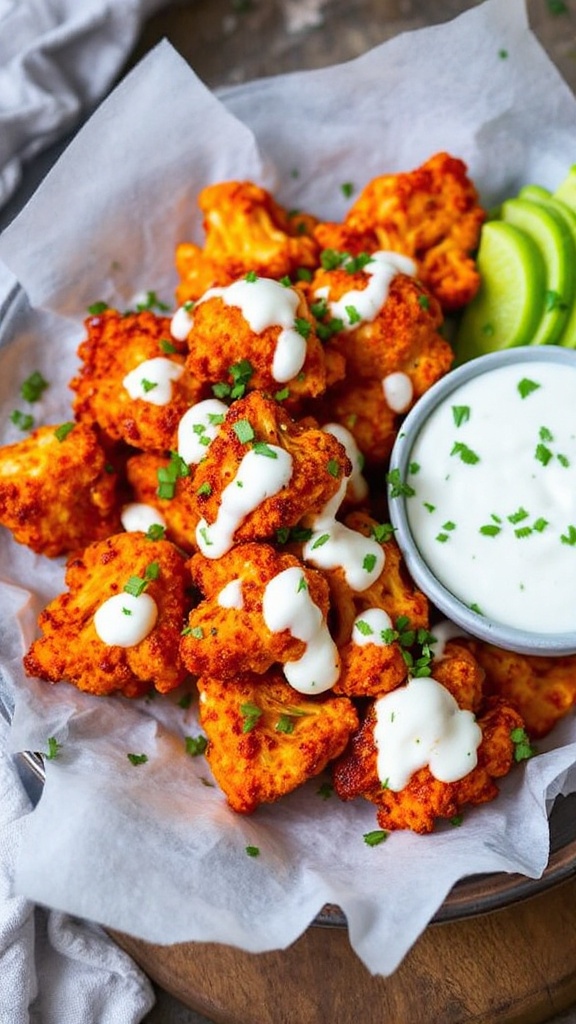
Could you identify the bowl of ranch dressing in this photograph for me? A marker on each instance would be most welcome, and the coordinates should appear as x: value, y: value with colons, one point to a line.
x: 482, y: 493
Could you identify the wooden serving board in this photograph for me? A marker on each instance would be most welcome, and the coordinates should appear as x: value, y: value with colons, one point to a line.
x: 516, y: 965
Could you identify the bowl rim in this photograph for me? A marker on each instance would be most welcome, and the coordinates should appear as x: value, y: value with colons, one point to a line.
x: 484, y: 628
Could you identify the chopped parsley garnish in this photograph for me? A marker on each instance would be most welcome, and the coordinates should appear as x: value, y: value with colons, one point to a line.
x: 465, y: 454
x: 169, y: 474
x: 136, y: 585
x: 241, y: 373
x: 333, y: 467
x: 97, y: 308
x: 23, y: 420
x: 167, y: 346
x: 244, y: 431
x: 32, y: 388
x: 253, y: 851
x: 320, y: 541
x: 251, y: 277
x: 416, y: 645
x: 374, y: 838
x: 347, y: 189
x: 151, y: 301
x: 369, y: 562
x: 148, y: 385
x: 137, y: 758
x: 523, y: 749
x: 195, y: 745
x: 302, y: 326
x: 282, y: 394
x: 569, y: 537
x: 526, y: 387
x: 424, y: 301
x: 61, y: 432
x: 398, y: 488
x: 325, y: 790
x: 354, y: 316
x: 460, y: 414
x: 383, y: 532
x: 261, y: 448
x: 251, y: 714
x: 297, y: 534
x: 285, y: 724
x: 363, y: 627
x: 204, y: 489
x: 54, y: 748
x: 155, y: 532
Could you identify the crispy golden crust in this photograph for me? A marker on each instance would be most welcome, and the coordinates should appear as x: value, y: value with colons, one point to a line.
x: 245, y: 229
x: 179, y: 511
x: 542, y: 689
x: 425, y: 800
x: 223, y: 641
x: 318, y: 463
x: 221, y: 337
x: 70, y: 648
x: 114, y: 346
x: 462, y: 674
x: 58, y: 495
x: 431, y: 214
x: 370, y: 670
x: 359, y: 405
x: 290, y: 741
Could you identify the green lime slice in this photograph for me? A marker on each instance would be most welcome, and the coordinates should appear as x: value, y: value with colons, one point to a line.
x: 566, y: 190
x: 550, y: 233
x: 508, y: 305
x: 568, y: 215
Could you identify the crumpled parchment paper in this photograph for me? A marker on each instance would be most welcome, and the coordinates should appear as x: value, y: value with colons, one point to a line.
x: 152, y: 849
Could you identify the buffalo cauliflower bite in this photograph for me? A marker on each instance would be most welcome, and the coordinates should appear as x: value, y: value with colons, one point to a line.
x: 369, y: 668
x: 424, y: 798
x: 265, y: 740
x: 150, y: 476
x: 431, y: 214
x: 226, y: 632
x: 129, y: 566
x: 57, y: 489
x: 132, y: 381
x: 245, y: 229
x: 263, y: 472
x: 542, y: 689
x: 263, y: 323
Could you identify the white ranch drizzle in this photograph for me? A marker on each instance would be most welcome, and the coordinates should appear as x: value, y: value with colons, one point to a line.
x: 398, y: 391
x: 198, y: 428
x: 370, y: 627
x: 333, y: 545
x: 124, y: 620
x: 442, y: 633
x: 421, y: 724
x: 182, y: 322
x: 138, y: 516
x: 357, y: 484
x: 363, y: 305
x: 265, y: 303
x: 258, y: 477
x: 151, y: 380
x: 231, y: 595
x: 494, y: 509
x: 287, y: 604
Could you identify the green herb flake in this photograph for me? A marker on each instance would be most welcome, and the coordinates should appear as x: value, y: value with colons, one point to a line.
x: 97, y: 308
x: 151, y: 301
x: 347, y: 188
x: 148, y: 385
x: 569, y: 537
x: 523, y: 749
x: 251, y: 713
x: 251, y: 277
x: 23, y: 420
x: 325, y: 790
x: 54, y: 748
x: 261, y: 448
x: 464, y: 453
x: 244, y: 431
x: 61, y: 432
x: 374, y: 838
x: 543, y: 454
x: 282, y: 395
x: 556, y: 7
x: 457, y: 820
x: 382, y: 532
x: 424, y: 301
x: 564, y: 461
x: 33, y: 387
x: 155, y: 532
x: 518, y: 517
x: 137, y: 758
x: 253, y: 851
x: 397, y: 487
x: 320, y: 541
x: 369, y: 562
x: 195, y: 745
x: 333, y: 467
x: 204, y: 489
x: 490, y: 530
x: 353, y: 315
x: 460, y: 414
x: 363, y: 627
x: 526, y: 387
x: 167, y: 346
x: 302, y: 326
x: 285, y: 724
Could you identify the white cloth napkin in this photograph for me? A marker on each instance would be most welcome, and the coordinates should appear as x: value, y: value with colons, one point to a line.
x: 55, y: 969
x: 57, y: 59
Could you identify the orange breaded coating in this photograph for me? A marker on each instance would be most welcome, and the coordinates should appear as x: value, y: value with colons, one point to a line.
x: 542, y: 689
x: 71, y: 649
x: 245, y: 229
x: 265, y: 323
x: 226, y: 633
x: 265, y: 740
x: 57, y: 491
x: 318, y: 462
x: 425, y: 799
x: 431, y: 214
x: 359, y: 405
x: 370, y: 669
x: 461, y: 673
x: 394, y: 591
x: 144, y: 472
x: 117, y: 345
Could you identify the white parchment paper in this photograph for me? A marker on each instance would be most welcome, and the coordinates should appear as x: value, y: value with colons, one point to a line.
x: 153, y: 850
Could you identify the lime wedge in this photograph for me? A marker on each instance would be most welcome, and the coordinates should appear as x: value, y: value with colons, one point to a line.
x: 568, y: 215
x: 508, y: 306
x: 549, y: 232
x: 566, y: 191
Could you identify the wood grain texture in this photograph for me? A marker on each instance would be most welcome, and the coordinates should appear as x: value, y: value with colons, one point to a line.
x: 513, y: 966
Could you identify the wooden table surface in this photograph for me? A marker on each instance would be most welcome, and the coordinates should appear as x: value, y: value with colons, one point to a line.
x: 514, y: 966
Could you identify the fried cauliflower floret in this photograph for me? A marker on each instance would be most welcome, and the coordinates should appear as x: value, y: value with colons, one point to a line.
x: 117, y: 346
x: 431, y: 214
x: 393, y: 591
x: 359, y: 405
x: 402, y: 337
x: 56, y: 491
x: 265, y: 740
x: 461, y: 673
x: 425, y: 799
x: 317, y: 464
x: 71, y: 649
x: 146, y: 475
x: 227, y: 632
x: 264, y: 323
x: 542, y: 689
x: 370, y: 669
x: 245, y: 229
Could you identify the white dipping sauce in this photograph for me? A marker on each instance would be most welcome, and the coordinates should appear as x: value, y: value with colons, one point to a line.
x: 398, y: 391
x: 420, y: 724
x: 231, y: 595
x: 363, y: 305
x: 370, y: 627
x: 198, y: 428
x: 333, y: 545
x: 287, y: 604
x: 494, y: 509
x: 151, y: 381
x: 124, y: 619
x: 136, y: 516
